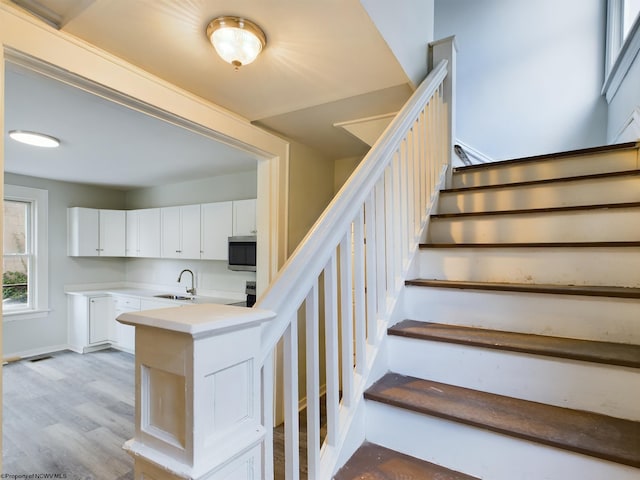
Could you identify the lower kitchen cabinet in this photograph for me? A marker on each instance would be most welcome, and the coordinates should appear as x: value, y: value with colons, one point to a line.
x: 125, y: 335
x: 89, y: 319
x: 93, y: 325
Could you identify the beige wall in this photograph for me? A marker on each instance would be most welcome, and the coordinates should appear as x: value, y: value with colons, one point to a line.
x: 343, y: 168
x: 310, y: 190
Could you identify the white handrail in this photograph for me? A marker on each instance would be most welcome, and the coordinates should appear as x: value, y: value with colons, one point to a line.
x: 290, y: 287
x: 342, y: 282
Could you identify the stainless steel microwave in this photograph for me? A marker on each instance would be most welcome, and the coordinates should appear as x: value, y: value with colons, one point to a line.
x: 242, y: 253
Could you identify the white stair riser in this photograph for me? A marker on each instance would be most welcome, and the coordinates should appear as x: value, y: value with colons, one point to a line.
x: 551, y: 265
x: 590, y: 318
x: 565, y: 383
x: 618, y: 224
x: 482, y: 453
x: 565, y: 194
x: 554, y: 168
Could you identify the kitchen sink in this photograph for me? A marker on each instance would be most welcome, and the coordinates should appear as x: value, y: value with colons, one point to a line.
x: 172, y: 296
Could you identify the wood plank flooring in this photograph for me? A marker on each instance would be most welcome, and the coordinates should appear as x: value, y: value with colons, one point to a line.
x: 69, y: 414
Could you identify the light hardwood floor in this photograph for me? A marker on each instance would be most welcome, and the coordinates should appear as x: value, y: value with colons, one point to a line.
x: 69, y: 414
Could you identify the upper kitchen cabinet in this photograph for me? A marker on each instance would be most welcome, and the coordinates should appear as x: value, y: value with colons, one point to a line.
x: 244, y: 217
x: 143, y: 233
x: 96, y: 232
x: 216, y: 229
x: 180, y: 232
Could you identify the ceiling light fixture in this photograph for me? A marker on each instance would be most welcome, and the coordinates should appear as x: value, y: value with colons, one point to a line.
x: 34, y: 138
x: 237, y: 40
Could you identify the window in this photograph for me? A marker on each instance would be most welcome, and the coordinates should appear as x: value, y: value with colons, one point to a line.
x: 630, y: 10
x: 623, y: 42
x: 621, y: 19
x: 25, y: 260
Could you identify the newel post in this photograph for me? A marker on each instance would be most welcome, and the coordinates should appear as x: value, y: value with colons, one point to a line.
x: 198, y: 411
x: 446, y: 49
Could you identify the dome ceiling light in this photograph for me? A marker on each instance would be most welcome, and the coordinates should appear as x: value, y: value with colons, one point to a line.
x: 34, y: 138
x: 237, y: 40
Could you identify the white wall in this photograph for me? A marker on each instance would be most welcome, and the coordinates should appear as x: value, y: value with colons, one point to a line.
x: 407, y: 27
x: 529, y: 73
x: 237, y: 186
x: 39, y: 335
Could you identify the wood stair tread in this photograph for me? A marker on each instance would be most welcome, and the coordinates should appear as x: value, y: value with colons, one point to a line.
x: 527, y: 211
x: 550, y: 156
x: 625, y: 355
x: 585, y: 290
x: 373, y: 462
x: 623, y: 244
x: 545, y: 181
x: 588, y: 433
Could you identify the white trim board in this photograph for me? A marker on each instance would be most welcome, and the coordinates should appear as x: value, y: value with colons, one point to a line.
x: 625, y: 59
x: 475, y: 156
x: 630, y: 131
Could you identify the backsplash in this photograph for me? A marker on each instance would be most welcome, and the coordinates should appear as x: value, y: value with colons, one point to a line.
x: 212, y: 278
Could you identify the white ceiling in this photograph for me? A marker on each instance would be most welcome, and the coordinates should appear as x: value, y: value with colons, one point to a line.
x: 324, y: 63
x: 102, y: 142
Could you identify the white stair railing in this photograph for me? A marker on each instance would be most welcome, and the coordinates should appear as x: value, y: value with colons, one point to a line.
x: 205, y: 374
x: 341, y: 284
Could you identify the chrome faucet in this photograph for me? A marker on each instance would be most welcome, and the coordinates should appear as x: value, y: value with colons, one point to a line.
x: 191, y: 290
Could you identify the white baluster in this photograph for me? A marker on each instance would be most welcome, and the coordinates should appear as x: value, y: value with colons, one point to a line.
x: 313, y: 384
x: 332, y: 349
x: 291, y: 422
x: 267, y: 382
x: 371, y: 270
x: 346, y: 320
x: 359, y: 292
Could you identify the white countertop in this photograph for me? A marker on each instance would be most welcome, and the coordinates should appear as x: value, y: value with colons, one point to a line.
x: 201, y: 320
x: 151, y: 294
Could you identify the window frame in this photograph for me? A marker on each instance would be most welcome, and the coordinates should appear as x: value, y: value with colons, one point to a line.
x: 38, y: 282
x: 620, y: 52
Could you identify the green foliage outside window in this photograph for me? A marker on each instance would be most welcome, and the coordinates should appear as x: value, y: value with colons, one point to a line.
x: 14, y: 286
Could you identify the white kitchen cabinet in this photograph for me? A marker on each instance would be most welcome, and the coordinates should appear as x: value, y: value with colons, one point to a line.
x: 100, y: 314
x: 88, y: 320
x: 143, y: 233
x: 180, y: 232
x: 244, y: 217
x: 216, y: 228
x: 125, y: 335
x: 96, y: 232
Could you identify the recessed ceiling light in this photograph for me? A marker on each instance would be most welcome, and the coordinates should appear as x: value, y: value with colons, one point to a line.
x: 34, y: 138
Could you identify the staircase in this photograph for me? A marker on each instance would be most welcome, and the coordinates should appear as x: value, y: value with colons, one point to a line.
x: 520, y: 354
